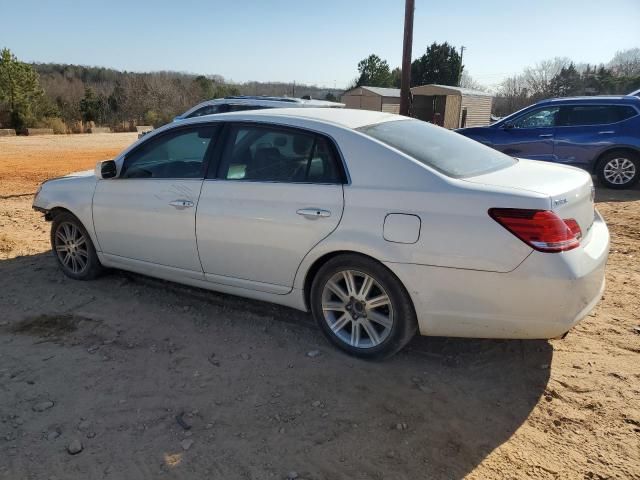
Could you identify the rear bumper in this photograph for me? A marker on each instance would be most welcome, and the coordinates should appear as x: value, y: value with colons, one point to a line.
x: 544, y: 297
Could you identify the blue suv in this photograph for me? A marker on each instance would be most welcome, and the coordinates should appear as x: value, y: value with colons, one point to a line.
x: 599, y: 134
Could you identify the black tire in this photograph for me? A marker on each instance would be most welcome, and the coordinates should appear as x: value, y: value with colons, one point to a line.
x: 82, y: 253
x: 404, y: 323
x: 618, y: 156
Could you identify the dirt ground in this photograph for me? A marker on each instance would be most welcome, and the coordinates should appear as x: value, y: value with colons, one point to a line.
x: 156, y: 380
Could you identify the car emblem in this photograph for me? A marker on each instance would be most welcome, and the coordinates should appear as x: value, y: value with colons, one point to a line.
x: 560, y: 201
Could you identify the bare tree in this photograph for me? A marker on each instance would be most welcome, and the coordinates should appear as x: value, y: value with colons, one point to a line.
x: 467, y: 81
x: 513, y: 94
x: 626, y: 62
x: 538, y: 77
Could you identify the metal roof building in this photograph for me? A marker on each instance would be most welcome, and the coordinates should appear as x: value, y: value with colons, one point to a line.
x: 373, y: 98
x: 444, y: 105
x: 451, y: 107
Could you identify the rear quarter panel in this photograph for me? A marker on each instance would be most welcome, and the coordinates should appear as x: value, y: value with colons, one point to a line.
x: 456, y: 229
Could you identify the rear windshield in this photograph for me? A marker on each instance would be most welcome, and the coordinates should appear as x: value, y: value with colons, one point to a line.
x: 448, y: 152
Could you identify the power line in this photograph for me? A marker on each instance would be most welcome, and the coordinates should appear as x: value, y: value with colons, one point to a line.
x: 460, y: 72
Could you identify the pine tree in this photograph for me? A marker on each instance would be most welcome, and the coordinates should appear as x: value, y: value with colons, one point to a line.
x: 20, y: 90
x: 374, y: 72
x: 441, y: 64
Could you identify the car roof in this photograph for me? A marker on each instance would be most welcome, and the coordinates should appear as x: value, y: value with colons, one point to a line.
x: 260, y: 97
x: 282, y: 102
x: 344, y: 117
x: 596, y: 99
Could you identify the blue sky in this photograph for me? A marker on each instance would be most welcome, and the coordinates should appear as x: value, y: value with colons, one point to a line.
x: 312, y: 42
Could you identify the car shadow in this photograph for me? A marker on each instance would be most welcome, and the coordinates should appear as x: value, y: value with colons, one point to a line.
x: 436, y: 410
x: 610, y: 195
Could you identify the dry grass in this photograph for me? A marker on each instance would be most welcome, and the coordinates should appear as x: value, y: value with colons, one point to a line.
x: 25, y: 162
x: 6, y: 243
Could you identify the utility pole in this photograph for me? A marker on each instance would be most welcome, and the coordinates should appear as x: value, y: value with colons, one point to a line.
x: 460, y: 71
x: 407, y: 45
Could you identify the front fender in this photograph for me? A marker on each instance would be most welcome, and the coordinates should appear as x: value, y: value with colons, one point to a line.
x: 74, y: 194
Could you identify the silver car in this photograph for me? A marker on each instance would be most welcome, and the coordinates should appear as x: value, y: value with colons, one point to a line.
x: 379, y: 225
x: 242, y: 103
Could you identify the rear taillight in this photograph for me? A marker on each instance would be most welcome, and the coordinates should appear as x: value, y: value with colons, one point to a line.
x: 574, y: 227
x: 542, y: 230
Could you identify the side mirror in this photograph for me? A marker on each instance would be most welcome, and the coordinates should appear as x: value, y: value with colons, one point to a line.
x: 507, y: 125
x: 107, y: 169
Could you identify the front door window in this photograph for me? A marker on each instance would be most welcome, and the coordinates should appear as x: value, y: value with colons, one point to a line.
x: 540, y: 118
x: 179, y: 154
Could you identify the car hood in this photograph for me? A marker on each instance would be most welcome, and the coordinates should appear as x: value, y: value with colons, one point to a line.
x: 83, y: 173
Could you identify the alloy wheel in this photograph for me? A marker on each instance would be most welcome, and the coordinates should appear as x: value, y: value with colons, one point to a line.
x: 619, y: 171
x: 71, y: 248
x: 357, y: 309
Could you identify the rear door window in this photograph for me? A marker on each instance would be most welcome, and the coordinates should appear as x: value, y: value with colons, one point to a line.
x: 583, y: 115
x: 272, y: 154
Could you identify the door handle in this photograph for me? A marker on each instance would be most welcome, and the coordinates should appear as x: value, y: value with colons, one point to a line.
x: 606, y: 132
x: 546, y: 135
x: 313, y: 213
x: 181, y: 204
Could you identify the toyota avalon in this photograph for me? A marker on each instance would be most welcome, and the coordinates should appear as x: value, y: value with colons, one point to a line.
x: 381, y: 226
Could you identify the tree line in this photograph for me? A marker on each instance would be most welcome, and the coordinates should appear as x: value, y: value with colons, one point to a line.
x: 561, y: 77
x: 558, y: 77
x: 69, y: 98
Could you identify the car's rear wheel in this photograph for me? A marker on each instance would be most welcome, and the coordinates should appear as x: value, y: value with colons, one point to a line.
x: 362, y: 307
x: 620, y: 169
x: 73, y: 249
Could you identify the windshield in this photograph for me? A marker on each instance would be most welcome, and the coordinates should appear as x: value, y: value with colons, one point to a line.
x: 448, y: 152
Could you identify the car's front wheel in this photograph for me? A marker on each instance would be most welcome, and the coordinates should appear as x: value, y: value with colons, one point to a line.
x: 619, y: 169
x: 73, y: 249
x: 362, y: 307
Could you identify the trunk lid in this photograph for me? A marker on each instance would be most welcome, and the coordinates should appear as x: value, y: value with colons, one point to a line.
x: 570, y: 190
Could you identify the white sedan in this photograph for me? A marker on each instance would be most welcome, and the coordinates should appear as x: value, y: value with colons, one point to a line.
x: 378, y: 224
